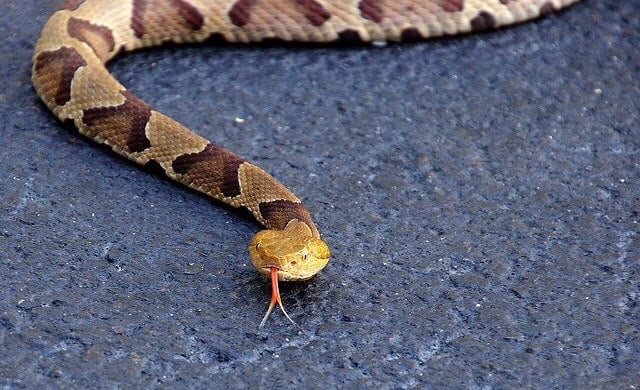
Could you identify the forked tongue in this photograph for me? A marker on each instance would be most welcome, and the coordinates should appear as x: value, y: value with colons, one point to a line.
x: 275, y: 298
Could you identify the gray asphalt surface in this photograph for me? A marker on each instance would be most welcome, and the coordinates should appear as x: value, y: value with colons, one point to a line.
x: 480, y: 194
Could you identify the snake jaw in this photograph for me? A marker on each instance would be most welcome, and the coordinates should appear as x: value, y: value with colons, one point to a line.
x: 291, y: 254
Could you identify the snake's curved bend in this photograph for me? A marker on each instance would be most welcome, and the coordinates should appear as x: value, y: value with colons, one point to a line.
x: 70, y: 76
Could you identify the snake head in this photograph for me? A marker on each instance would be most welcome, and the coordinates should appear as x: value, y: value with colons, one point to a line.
x: 293, y: 251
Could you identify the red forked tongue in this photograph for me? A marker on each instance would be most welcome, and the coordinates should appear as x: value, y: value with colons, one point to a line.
x: 275, y: 297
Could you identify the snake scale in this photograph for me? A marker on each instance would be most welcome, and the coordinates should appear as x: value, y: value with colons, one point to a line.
x: 70, y: 76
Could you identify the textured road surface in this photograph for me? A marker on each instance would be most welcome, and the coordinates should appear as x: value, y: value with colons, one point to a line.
x: 481, y: 196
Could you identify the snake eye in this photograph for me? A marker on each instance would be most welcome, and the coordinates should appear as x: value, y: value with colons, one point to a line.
x: 304, y: 257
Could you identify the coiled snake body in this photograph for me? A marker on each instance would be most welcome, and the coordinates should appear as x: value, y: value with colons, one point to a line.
x: 70, y: 76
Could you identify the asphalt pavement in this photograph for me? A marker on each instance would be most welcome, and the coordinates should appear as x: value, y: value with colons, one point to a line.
x: 480, y: 195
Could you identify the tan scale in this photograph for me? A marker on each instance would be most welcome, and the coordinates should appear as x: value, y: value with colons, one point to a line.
x: 71, y: 78
x: 163, y: 143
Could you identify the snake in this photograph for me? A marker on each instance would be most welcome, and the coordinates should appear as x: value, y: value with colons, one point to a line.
x: 69, y: 74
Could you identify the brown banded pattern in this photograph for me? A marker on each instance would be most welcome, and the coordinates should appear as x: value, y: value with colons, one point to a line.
x: 279, y: 212
x: 214, y: 168
x: 372, y: 10
x: 122, y: 126
x: 54, y: 71
x: 160, y: 20
x: 70, y: 76
x: 99, y: 38
x: 377, y: 10
x: 301, y: 20
x: 134, y: 129
x: 314, y: 12
x: 240, y: 13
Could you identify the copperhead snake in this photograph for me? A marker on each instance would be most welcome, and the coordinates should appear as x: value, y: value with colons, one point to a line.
x: 70, y: 76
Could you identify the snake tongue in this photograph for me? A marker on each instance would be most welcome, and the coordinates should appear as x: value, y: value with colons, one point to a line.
x: 275, y: 297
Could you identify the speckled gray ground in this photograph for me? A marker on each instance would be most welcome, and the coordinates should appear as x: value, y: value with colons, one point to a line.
x: 480, y: 196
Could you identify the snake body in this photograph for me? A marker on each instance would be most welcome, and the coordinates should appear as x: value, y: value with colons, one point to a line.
x: 70, y: 76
